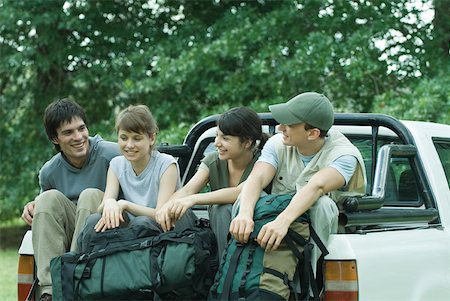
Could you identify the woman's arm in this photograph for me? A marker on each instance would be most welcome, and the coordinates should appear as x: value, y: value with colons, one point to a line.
x: 109, y: 208
x: 111, y: 190
x: 195, y: 184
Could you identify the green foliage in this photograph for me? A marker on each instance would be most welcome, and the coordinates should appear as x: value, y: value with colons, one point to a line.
x: 429, y: 100
x: 188, y: 59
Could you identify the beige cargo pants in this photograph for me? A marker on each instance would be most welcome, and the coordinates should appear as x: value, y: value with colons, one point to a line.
x: 57, y: 221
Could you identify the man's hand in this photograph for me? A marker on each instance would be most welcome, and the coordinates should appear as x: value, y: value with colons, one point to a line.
x: 163, y: 217
x: 272, y: 234
x: 28, y: 212
x: 180, y: 206
x: 241, y: 227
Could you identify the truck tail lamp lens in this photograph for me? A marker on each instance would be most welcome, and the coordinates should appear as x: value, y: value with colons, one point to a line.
x: 25, y: 276
x: 341, y: 280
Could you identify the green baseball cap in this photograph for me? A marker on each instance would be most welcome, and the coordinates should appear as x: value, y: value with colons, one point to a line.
x: 310, y: 107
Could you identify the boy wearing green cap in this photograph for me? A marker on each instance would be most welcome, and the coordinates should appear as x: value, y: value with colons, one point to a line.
x: 318, y: 164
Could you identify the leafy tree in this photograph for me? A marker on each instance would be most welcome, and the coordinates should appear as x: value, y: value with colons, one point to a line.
x: 429, y: 99
x: 51, y: 49
x: 188, y: 59
x: 267, y: 55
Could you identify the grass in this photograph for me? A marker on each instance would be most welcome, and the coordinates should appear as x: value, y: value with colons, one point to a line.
x: 11, y: 234
x: 8, y: 274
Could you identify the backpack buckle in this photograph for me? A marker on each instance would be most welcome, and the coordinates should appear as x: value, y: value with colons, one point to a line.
x: 86, y: 273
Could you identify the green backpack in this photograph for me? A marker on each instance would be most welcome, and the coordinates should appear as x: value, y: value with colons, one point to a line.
x: 175, y: 265
x: 247, y: 272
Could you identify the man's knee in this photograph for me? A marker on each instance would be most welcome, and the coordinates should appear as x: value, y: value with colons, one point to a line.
x: 324, y: 215
x: 50, y: 201
x: 325, y: 206
x: 90, y: 199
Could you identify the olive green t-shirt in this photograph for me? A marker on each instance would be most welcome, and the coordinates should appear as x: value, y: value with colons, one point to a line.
x: 218, y: 170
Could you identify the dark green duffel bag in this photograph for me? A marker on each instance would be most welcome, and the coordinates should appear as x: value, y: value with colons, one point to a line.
x: 175, y: 265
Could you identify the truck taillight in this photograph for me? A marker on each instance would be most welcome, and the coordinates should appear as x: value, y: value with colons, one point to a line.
x: 25, y: 276
x: 341, y: 280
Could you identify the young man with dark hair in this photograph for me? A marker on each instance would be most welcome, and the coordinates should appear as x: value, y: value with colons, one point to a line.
x: 71, y: 186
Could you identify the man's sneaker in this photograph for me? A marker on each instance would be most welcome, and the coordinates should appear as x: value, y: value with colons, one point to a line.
x: 45, y: 297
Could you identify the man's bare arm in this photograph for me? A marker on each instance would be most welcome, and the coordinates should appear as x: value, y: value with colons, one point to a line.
x: 242, y: 225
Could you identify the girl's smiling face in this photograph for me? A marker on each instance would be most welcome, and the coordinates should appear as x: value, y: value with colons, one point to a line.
x: 135, y: 147
x: 228, y: 146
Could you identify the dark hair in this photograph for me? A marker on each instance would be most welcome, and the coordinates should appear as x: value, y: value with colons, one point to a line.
x: 323, y: 133
x: 244, y: 123
x: 59, y: 112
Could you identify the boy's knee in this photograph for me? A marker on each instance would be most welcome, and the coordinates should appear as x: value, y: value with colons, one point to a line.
x: 325, y: 205
x: 324, y: 215
x: 91, y: 192
x: 90, y: 199
x: 49, y: 201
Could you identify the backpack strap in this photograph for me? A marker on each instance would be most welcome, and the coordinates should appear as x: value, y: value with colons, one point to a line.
x: 68, y: 264
x: 319, y: 264
x: 130, y: 245
x: 86, y: 274
x: 282, y: 276
x: 251, y: 251
x: 231, y: 271
x: 303, y: 270
x: 315, y: 282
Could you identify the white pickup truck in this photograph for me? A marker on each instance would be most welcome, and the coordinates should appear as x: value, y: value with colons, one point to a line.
x: 393, y: 243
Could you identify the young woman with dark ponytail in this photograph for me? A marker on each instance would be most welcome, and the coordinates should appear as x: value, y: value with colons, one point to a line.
x: 239, y: 140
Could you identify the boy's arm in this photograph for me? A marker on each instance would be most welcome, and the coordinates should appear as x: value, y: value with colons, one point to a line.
x: 28, y: 212
x: 28, y: 209
x: 242, y: 225
x: 326, y: 180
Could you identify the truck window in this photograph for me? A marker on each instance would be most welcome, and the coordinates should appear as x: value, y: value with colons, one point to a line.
x: 401, y: 186
x: 443, y: 150
x: 404, y: 184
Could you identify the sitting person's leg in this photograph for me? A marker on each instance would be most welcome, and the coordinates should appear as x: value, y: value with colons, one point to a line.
x: 53, y: 227
x: 87, y: 234
x: 220, y: 217
x: 324, y: 219
x: 88, y: 203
